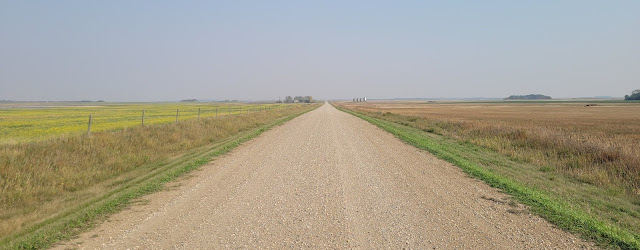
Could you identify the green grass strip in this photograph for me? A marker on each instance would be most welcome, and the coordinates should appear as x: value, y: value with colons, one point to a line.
x: 543, y: 204
x: 68, y: 225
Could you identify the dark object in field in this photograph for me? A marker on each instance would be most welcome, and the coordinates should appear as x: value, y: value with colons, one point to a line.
x: 528, y: 97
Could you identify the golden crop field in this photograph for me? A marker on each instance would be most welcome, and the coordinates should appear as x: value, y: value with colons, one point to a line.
x: 28, y: 121
x: 584, y: 153
x: 597, y: 143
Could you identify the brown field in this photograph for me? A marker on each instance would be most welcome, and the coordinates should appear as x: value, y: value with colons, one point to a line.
x: 597, y: 144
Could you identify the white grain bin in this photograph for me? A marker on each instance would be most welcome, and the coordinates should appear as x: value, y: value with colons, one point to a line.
x: 364, y: 99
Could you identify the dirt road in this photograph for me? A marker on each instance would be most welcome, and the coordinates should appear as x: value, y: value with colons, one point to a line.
x: 327, y: 180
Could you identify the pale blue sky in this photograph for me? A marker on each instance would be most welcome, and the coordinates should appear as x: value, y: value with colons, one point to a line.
x: 260, y: 50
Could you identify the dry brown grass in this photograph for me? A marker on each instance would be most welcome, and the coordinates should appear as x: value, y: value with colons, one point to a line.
x: 550, y: 156
x: 595, y: 144
x: 42, y: 178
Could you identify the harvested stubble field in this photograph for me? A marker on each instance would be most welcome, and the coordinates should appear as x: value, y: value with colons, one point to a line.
x: 596, y: 144
x: 588, y: 154
x: 41, y: 179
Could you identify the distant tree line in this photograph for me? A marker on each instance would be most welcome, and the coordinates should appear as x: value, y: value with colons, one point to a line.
x: 528, y: 97
x: 289, y: 99
x: 635, y: 95
x: 190, y: 100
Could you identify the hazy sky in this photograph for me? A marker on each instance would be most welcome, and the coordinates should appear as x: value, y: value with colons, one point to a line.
x: 260, y: 50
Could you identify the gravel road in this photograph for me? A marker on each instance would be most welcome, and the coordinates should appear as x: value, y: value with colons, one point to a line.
x: 326, y: 180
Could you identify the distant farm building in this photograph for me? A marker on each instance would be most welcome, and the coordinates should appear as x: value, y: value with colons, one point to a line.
x: 363, y: 99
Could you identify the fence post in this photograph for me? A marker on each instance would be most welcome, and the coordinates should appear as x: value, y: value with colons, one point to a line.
x: 216, y: 112
x: 89, y: 129
x: 198, y: 114
x: 177, y: 112
x: 143, y: 117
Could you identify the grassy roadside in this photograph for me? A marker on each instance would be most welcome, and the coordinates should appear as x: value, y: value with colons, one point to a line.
x: 41, y: 178
x: 501, y: 172
x: 122, y: 191
x: 594, y: 143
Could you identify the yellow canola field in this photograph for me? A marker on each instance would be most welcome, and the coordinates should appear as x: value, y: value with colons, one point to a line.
x: 21, y: 122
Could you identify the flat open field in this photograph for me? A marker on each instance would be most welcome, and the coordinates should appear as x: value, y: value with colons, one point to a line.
x: 24, y: 121
x: 598, y: 144
x: 42, y: 180
x: 327, y: 180
x: 584, y: 154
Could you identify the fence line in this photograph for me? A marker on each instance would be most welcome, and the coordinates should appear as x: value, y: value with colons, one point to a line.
x: 89, y: 129
x: 230, y: 111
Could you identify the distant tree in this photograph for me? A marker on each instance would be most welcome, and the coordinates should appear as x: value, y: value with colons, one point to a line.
x: 306, y: 99
x: 635, y: 95
x: 288, y: 99
x: 528, y: 97
x: 190, y: 100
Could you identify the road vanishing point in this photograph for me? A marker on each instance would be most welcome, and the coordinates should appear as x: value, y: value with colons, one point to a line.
x: 326, y: 179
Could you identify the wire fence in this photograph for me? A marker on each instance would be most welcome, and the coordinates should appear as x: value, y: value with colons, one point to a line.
x: 207, y: 113
x: 21, y: 124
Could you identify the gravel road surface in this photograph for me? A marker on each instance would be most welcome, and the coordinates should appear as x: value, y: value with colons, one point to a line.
x: 326, y: 180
